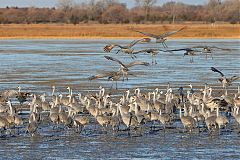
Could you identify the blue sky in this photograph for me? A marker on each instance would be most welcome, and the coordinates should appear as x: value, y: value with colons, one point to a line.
x: 52, y: 3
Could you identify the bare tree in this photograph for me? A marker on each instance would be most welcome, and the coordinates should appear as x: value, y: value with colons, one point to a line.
x: 146, y: 5
x: 66, y: 6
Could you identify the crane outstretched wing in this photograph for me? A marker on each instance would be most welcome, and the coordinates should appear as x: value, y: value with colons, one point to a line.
x: 216, y: 70
x: 167, y: 34
x: 101, y: 75
x: 147, y: 34
x: 116, y: 60
x: 234, y: 78
x: 150, y: 50
x: 137, y: 41
x: 137, y: 63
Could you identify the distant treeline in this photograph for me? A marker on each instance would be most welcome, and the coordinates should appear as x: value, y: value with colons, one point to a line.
x: 111, y: 11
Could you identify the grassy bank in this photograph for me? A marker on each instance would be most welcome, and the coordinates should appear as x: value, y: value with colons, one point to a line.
x: 8, y: 31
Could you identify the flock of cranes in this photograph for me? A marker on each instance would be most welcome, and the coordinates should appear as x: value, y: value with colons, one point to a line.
x: 198, y: 110
x: 129, y: 50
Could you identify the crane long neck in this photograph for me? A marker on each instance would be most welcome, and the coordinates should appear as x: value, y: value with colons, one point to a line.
x: 103, y: 92
x: 191, y: 110
x: 70, y: 98
x: 154, y: 97
x: 34, y: 117
x: 136, y: 109
x: 105, y: 102
x: 35, y: 108
x: 117, y: 111
x: 53, y: 91
x: 19, y: 89
x: 69, y: 91
x: 149, y: 96
x: 180, y: 112
x: 43, y: 98
x: 11, y: 109
x: 127, y: 96
x: 204, y: 96
x: 148, y: 108
x: 210, y: 92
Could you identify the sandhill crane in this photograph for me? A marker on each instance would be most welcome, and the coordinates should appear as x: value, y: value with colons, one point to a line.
x: 153, y: 52
x: 236, y: 115
x: 210, y: 121
x: 82, y: 121
x: 124, y: 68
x: 213, y: 103
x: 224, y: 80
x: 4, y: 124
x: 55, y: 98
x: 103, y: 120
x: 128, y: 119
x: 45, y: 105
x: 221, y: 120
x: 6, y: 94
x: 236, y: 100
x: 112, y: 75
x: 22, y: 96
x: 35, y: 114
x: 209, y: 49
x: 125, y: 49
x: 187, y: 121
x: 15, y: 118
x: 3, y: 100
x: 138, y: 113
x: 115, y: 119
x: 62, y: 115
x: 189, y: 52
x: 164, y: 119
x: 32, y: 126
x: 161, y: 38
x: 75, y: 107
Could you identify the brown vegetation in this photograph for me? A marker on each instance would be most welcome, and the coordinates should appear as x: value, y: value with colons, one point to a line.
x: 116, y: 30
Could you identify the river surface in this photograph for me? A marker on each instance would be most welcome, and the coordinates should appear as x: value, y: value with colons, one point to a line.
x: 36, y: 65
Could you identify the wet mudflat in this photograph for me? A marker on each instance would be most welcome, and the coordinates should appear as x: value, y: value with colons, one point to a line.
x: 36, y: 65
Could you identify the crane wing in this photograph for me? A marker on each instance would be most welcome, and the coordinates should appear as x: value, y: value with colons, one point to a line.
x: 147, y: 34
x: 234, y: 78
x: 135, y: 42
x: 167, y: 34
x: 116, y: 60
x: 216, y: 70
x: 101, y: 75
x: 137, y: 63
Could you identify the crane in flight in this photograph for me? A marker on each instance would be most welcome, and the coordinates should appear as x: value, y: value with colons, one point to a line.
x: 122, y: 72
x: 188, y: 52
x: 210, y: 49
x: 125, y: 48
x: 162, y: 37
x: 226, y: 81
x: 124, y: 68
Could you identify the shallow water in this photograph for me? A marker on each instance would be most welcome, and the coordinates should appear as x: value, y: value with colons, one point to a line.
x: 42, y: 63
x: 36, y: 65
